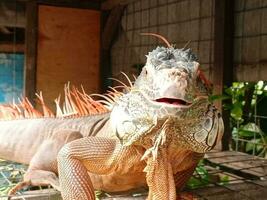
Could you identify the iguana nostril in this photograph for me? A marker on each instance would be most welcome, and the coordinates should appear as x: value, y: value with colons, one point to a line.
x: 176, y: 74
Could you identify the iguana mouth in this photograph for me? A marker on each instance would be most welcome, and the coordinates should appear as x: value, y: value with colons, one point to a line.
x: 173, y: 101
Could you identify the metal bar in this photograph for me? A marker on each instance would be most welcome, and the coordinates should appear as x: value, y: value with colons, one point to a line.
x: 250, y: 36
x: 182, y: 43
x: 158, y: 5
x: 258, y: 116
x: 250, y: 9
x: 248, y: 141
x: 170, y: 23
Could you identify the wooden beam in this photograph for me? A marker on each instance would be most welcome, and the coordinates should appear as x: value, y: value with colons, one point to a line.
x: 12, y: 48
x: 31, y: 49
x: 223, y: 57
x: 110, y: 4
x: 82, y: 4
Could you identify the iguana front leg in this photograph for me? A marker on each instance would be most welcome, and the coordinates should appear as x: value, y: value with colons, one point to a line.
x: 94, y: 154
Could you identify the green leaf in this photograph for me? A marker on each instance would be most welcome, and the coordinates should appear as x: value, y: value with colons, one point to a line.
x: 229, y: 91
x: 250, y: 130
x: 98, y: 194
x: 224, y: 180
x: 253, y: 143
x: 227, y: 107
x: 195, y: 183
x: 249, y: 146
x: 252, y: 127
x: 259, y: 148
x: 245, y: 133
x: 237, y: 112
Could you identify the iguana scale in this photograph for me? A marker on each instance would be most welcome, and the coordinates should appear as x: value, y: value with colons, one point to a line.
x: 151, y: 135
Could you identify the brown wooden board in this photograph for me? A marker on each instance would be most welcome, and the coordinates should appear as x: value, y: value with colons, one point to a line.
x: 68, y: 50
x: 216, y: 154
x: 12, y: 48
x: 241, y: 162
x: 237, y: 191
x: 47, y: 194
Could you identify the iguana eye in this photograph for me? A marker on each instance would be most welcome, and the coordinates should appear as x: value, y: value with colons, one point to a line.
x: 145, y: 71
x: 162, y: 66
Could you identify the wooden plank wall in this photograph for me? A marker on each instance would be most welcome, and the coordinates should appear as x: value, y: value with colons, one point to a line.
x: 68, y: 50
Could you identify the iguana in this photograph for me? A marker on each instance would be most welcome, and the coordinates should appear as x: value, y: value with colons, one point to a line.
x: 152, y: 134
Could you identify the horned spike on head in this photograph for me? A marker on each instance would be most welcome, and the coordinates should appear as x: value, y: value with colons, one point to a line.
x: 160, y: 37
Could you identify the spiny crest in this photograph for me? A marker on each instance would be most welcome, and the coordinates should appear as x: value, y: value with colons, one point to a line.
x: 114, y: 93
x: 170, y: 53
x: 76, y: 104
x: 24, y: 109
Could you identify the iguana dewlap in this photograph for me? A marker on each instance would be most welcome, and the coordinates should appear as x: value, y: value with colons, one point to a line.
x: 152, y: 135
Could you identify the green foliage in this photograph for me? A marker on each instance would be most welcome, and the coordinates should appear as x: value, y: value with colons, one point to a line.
x: 98, y: 194
x: 203, y: 178
x: 242, y: 99
x: 256, y: 137
x: 236, y: 94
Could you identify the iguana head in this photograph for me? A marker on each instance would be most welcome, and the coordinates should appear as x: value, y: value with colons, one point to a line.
x: 172, y: 77
x: 168, y: 99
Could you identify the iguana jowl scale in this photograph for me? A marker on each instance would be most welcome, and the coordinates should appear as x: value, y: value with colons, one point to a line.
x: 153, y: 135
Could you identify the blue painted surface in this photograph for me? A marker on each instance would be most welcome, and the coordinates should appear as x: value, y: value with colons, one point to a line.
x: 11, y: 76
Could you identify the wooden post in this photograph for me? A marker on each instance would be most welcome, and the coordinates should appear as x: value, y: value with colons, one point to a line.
x: 110, y: 25
x: 30, y: 50
x: 223, y: 57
